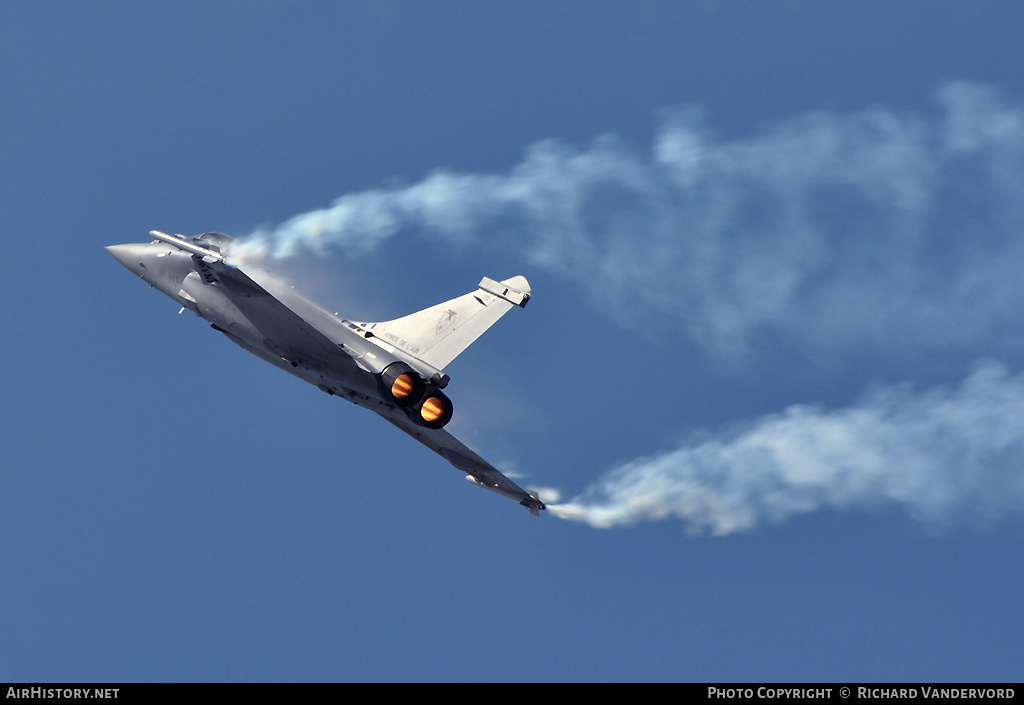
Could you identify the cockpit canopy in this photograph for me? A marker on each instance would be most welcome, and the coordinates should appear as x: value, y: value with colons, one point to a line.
x: 214, y: 241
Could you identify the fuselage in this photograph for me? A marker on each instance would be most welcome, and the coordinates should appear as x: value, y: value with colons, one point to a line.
x: 355, y: 361
x: 279, y: 325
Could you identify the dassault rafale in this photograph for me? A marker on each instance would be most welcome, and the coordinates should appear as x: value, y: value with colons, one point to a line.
x: 394, y: 368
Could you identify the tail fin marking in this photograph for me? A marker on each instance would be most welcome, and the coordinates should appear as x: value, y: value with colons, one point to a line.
x: 437, y: 335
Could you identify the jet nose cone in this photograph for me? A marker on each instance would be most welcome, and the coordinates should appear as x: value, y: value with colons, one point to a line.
x: 130, y: 256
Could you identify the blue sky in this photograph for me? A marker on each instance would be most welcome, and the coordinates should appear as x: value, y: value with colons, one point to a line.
x: 772, y: 362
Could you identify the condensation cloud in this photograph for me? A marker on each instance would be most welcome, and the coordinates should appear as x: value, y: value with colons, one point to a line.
x: 895, y: 232
x: 939, y: 455
x: 876, y: 228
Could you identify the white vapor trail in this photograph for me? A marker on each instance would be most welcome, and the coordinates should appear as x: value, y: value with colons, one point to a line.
x: 897, y: 233
x: 878, y: 229
x: 935, y: 454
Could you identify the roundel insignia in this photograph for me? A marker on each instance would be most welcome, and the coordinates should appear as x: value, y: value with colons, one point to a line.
x: 446, y: 321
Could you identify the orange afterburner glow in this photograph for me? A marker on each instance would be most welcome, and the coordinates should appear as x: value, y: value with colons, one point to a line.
x: 433, y: 409
x: 436, y: 410
x: 402, y: 386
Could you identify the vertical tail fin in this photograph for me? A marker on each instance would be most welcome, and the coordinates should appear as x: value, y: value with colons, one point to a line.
x: 437, y: 335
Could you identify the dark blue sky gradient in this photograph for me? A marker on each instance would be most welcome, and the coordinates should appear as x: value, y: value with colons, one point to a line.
x: 174, y: 509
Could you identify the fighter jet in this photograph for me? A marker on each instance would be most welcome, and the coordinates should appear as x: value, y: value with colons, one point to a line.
x: 394, y: 368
